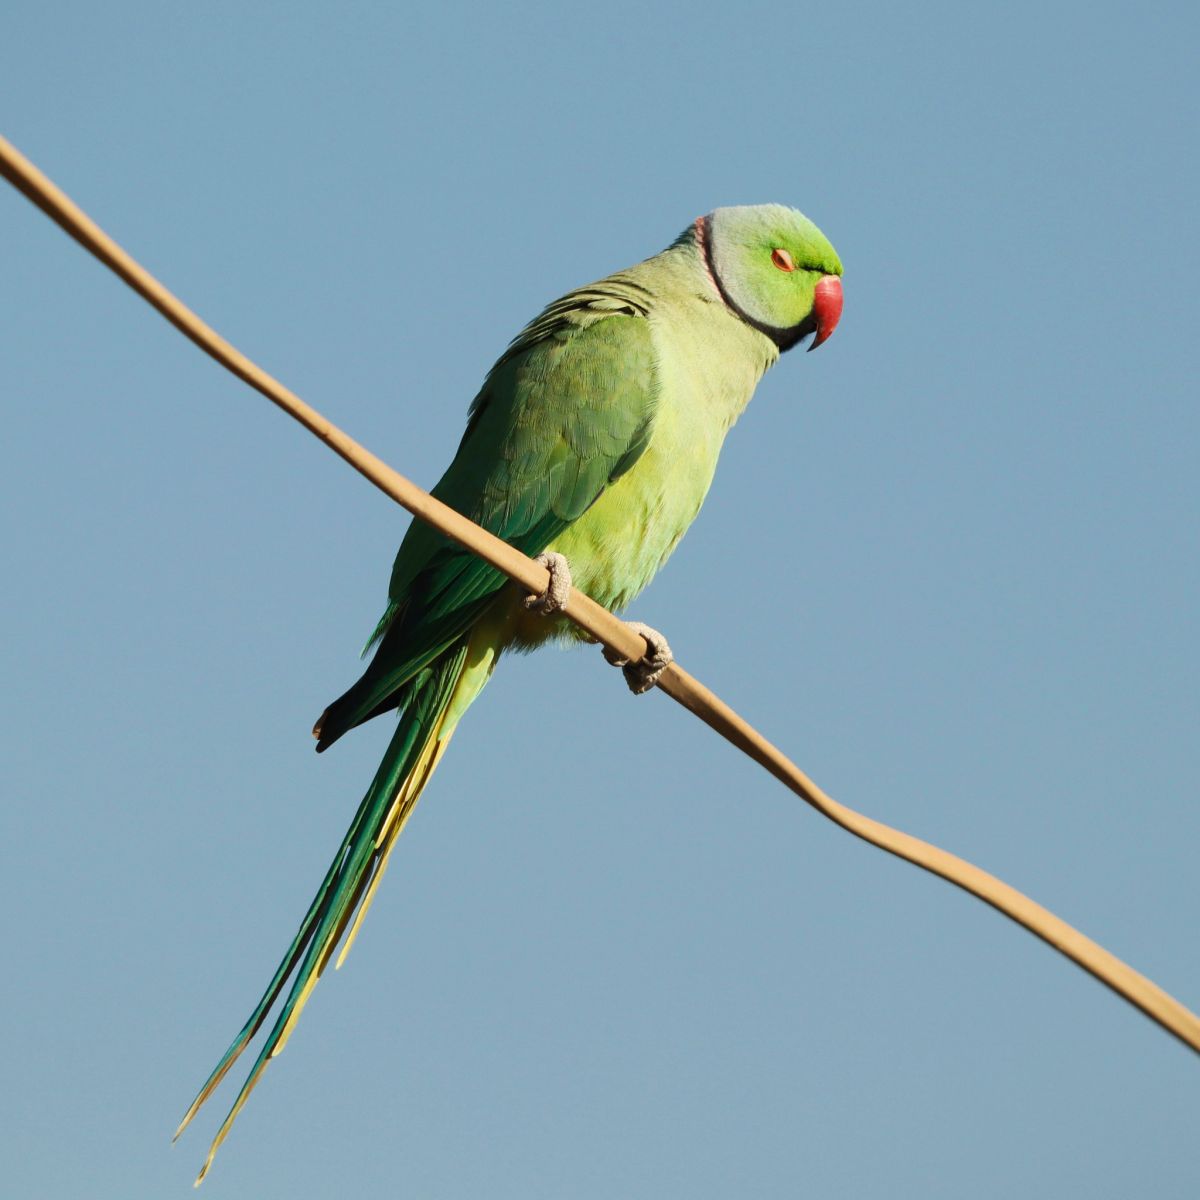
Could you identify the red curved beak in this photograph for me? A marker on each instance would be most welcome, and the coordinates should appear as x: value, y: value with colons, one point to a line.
x: 827, y: 308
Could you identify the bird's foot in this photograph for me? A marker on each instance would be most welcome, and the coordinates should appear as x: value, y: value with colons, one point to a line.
x: 558, y: 591
x: 643, y: 674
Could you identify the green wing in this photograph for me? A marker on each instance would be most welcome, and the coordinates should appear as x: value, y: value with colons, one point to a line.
x: 566, y: 411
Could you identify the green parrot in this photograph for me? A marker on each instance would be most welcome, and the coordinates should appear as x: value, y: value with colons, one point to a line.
x: 593, y: 440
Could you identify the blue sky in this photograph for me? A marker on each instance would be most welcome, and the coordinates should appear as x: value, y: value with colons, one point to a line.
x: 949, y: 563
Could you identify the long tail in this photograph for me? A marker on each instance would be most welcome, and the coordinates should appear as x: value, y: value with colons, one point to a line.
x: 436, y: 698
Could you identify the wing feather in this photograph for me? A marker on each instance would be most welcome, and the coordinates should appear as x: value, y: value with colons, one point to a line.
x: 566, y: 411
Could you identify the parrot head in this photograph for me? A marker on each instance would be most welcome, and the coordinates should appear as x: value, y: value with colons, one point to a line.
x: 775, y: 269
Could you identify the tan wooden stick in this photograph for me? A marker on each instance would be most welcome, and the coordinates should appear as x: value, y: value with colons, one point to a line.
x: 602, y: 625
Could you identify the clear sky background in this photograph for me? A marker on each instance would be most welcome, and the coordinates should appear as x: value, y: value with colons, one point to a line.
x: 949, y: 563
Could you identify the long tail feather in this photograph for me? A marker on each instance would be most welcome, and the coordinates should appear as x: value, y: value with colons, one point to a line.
x: 349, y: 884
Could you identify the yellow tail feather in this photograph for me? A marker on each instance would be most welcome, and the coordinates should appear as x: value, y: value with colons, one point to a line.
x: 474, y: 671
x: 394, y: 826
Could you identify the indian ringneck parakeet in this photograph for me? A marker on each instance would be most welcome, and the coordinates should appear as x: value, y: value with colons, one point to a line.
x: 595, y: 436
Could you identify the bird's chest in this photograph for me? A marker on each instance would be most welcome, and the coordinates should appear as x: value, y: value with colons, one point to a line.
x: 616, y: 547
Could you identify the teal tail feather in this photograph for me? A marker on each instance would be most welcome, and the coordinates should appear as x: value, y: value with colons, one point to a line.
x: 349, y: 884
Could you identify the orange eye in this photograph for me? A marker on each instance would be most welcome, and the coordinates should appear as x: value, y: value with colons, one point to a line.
x: 782, y: 259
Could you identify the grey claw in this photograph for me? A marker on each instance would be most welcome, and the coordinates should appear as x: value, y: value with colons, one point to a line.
x: 554, y: 598
x: 643, y: 674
